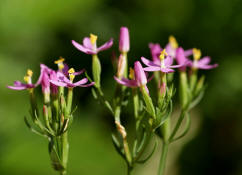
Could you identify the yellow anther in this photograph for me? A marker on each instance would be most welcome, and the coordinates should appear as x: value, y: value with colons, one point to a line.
x: 163, y: 53
x: 93, y: 38
x: 173, y: 42
x: 196, y: 54
x: 26, y: 78
x: 59, y: 62
x: 71, y: 72
x: 29, y: 72
x: 131, y: 73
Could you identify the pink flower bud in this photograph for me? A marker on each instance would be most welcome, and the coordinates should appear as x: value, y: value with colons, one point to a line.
x: 140, y: 76
x: 124, y: 39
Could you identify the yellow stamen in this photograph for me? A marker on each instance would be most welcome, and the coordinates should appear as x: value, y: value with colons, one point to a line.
x: 131, y: 73
x: 26, y: 78
x: 29, y: 72
x: 163, y: 53
x: 71, y: 72
x: 196, y: 54
x: 173, y: 42
x: 59, y: 62
x: 93, y: 38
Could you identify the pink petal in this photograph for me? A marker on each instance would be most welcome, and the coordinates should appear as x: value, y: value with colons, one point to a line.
x: 152, y: 68
x: 188, y: 52
x: 148, y: 62
x: 87, y: 43
x: 167, y: 70
x: 17, y: 87
x: 207, y: 66
x: 168, y: 61
x: 82, y: 81
x: 106, y: 45
x: 204, y: 61
x: 79, y: 72
x: 126, y: 82
x: 87, y: 85
x: 83, y: 49
x: 58, y: 83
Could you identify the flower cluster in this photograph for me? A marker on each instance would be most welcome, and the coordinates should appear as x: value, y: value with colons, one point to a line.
x: 57, y: 107
x: 151, y: 112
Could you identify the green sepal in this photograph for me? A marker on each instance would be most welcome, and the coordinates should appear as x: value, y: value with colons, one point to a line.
x: 149, y: 104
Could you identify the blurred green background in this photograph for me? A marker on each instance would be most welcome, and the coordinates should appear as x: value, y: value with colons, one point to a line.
x: 33, y: 32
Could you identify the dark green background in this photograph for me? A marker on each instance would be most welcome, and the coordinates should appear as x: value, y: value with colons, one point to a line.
x: 39, y: 31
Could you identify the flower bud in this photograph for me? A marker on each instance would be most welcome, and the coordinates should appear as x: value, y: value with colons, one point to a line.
x: 124, y: 39
x: 122, y: 64
x: 140, y: 76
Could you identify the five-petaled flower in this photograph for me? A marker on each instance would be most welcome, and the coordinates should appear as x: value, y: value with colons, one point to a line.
x: 89, y: 45
x: 22, y: 86
x: 137, y: 77
x: 164, y: 65
x: 63, y: 81
x: 202, y: 63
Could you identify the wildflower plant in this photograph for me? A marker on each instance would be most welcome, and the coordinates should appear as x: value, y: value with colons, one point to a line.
x: 56, y: 116
x: 151, y: 110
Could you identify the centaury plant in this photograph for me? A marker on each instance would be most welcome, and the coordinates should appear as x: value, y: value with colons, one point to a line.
x: 56, y: 117
x: 151, y: 112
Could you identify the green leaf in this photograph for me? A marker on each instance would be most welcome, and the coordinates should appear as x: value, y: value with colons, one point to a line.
x: 117, y: 146
x: 187, y: 127
x: 34, y: 130
x: 149, y: 156
x: 197, y: 99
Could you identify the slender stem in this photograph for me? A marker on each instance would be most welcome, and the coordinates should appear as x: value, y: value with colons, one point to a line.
x: 65, y: 150
x: 163, y: 159
x: 129, y: 170
x: 183, y: 89
x: 69, y: 100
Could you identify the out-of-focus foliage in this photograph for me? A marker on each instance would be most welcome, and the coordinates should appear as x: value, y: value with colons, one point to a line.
x: 40, y: 31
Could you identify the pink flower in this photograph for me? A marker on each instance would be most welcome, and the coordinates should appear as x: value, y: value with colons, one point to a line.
x: 181, y: 59
x: 138, y: 77
x: 89, y: 45
x: 22, y: 86
x: 203, y: 63
x: 164, y: 64
x: 63, y: 81
x: 124, y: 39
x: 44, y: 78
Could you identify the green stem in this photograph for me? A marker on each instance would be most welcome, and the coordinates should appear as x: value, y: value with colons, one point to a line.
x: 129, y: 170
x: 193, y: 80
x: 96, y: 70
x: 183, y: 91
x: 69, y: 100
x: 163, y: 159
x: 65, y: 150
